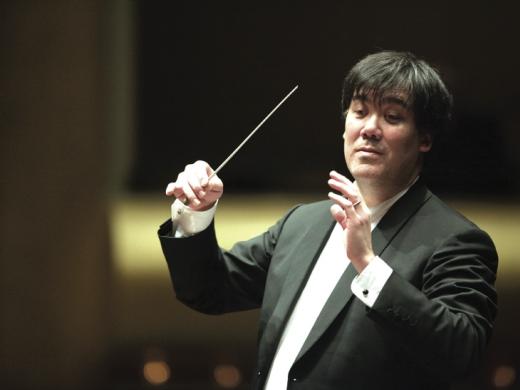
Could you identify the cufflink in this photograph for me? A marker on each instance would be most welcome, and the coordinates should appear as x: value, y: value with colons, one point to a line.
x: 185, y: 202
x: 364, y: 292
x: 178, y: 206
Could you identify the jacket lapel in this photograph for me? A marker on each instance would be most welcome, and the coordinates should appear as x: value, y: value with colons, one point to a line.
x: 340, y: 296
x: 382, y: 235
x: 309, y: 249
x: 398, y: 216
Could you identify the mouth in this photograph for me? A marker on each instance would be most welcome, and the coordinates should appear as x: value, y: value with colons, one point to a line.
x: 369, y: 150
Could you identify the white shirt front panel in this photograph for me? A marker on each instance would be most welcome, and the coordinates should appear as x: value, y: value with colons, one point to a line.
x: 323, y: 279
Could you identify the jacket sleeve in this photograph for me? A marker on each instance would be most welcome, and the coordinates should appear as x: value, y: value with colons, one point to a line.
x: 215, y: 281
x: 446, y: 323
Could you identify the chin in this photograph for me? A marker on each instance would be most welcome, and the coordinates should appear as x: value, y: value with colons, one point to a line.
x: 366, y: 172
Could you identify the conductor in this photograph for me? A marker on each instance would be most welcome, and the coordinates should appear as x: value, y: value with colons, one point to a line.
x: 382, y: 285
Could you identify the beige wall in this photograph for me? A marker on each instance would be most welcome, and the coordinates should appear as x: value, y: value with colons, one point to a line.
x: 54, y: 240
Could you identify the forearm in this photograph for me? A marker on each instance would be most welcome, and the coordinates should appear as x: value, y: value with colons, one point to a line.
x: 212, y: 280
x: 193, y: 263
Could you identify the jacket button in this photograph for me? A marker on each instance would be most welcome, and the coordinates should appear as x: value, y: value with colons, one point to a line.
x: 259, y: 373
x: 294, y: 379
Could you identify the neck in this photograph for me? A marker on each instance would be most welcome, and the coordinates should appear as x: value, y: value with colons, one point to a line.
x: 375, y: 192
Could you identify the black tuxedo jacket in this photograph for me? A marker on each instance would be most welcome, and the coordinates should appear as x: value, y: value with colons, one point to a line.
x: 428, y: 327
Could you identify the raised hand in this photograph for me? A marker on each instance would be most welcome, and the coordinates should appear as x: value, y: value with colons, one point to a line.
x: 352, y: 214
x: 195, y: 188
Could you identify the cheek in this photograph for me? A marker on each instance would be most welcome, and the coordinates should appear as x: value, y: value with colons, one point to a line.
x: 348, y: 141
x: 404, y: 141
x: 350, y: 133
x: 348, y: 149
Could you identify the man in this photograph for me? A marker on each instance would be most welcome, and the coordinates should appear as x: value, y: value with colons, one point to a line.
x: 383, y: 286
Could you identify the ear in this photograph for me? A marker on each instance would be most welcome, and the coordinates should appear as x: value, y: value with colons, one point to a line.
x: 425, y: 143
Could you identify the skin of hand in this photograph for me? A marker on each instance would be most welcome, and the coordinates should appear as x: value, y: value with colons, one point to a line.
x: 194, y: 188
x: 353, y: 218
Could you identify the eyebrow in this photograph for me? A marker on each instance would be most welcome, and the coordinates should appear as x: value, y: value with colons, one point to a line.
x: 384, y: 100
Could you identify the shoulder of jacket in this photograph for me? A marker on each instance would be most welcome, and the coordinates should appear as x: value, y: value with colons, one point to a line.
x: 448, y: 215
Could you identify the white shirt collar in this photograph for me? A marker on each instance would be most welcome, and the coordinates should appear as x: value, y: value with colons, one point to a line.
x: 378, y: 212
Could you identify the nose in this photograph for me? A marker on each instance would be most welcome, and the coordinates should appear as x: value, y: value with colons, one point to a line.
x: 371, y: 129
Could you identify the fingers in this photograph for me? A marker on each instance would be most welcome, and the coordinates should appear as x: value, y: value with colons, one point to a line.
x: 195, y: 186
x: 194, y: 183
x: 169, y: 189
x: 339, y: 215
x: 175, y: 188
x: 214, y: 185
x: 187, y: 192
x: 341, y: 201
x: 345, y: 209
x: 344, y: 186
x: 338, y: 176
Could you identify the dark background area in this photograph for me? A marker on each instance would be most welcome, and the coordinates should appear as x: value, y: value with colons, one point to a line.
x: 208, y: 72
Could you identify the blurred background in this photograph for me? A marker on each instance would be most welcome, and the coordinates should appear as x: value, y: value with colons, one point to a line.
x: 102, y: 103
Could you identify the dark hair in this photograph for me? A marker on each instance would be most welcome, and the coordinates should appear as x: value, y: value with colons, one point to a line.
x: 391, y: 71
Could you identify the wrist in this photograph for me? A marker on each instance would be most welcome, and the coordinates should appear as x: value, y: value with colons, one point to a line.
x: 206, y: 207
x: 363, y: 262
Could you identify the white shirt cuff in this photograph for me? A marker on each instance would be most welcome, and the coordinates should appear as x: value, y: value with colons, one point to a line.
x: 369, y: 283
x: 187, y: 222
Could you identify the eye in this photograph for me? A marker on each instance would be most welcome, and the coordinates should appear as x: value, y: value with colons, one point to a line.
x: 359, y: 112
x: 357, y: 108
x: 394, y: 118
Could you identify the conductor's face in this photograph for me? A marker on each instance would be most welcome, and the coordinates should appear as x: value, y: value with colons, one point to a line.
x: 382, y: 144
